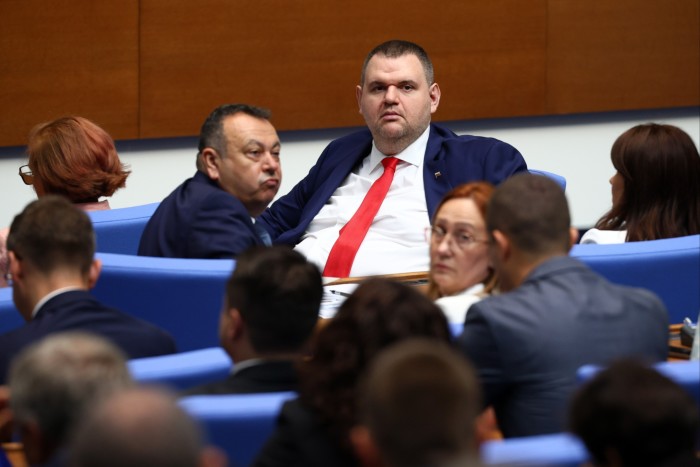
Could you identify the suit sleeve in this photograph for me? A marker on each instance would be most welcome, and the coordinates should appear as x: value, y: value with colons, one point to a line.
x: 478, y: 344
x: 221, y: 229
x: 502, y: 160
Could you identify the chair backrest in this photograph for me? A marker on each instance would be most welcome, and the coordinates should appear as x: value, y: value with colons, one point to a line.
x: 557, y: 450
x: 182, y: 296
x: 239, y: 424
x: 9, y: 316
x: 669, y: 267
x: 119, y: 230
x: 684, y: 373
x: 557, y: 178
x: 182, y: 370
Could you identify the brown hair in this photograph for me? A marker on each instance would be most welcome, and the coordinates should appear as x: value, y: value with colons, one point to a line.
x: 73, y: 157
x: 480, y: 193
x: 380, y: 312
x: 52, y: 233
x: 660, y: 166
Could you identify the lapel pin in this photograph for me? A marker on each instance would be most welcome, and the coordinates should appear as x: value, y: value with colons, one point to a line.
x: 437, y: 174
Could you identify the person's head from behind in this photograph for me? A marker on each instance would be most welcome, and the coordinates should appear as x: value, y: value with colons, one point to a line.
x: 528, y: 222
x: 458, y: 241
x: 140, y: 427
x: 397, y: 94
x: 655, y: 189
x: 379, y: 313
x: 418, y: 407
x: 239, y: 149
x: 54, y: 382
x: 73, y: 157
x: 51, y: 243
x: 630, y: 415
x: 272, y: 304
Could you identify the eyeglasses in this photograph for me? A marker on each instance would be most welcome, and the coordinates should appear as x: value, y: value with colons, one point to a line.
x: 436, y: 235
x: 26, y: 174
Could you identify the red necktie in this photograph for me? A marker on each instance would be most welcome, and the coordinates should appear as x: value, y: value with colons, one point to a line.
x: 344, y: 249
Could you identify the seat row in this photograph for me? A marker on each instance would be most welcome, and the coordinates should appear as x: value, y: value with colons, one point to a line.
x: 239, y: 424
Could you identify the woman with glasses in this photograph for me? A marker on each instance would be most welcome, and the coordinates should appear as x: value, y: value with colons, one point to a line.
x: 71, y: 157
x: 460, y: 273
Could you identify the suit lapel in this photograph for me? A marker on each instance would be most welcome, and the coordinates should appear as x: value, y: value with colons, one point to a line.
x: 435, y: 177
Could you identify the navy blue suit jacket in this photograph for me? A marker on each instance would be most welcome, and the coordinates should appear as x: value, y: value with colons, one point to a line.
x: 528, y: 343
x: 450, y: 160
x: 269, y: 376
x: 199, y: 220
x: 79, y: 311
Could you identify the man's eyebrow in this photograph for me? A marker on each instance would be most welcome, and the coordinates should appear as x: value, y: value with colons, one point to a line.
x: 255, y: 142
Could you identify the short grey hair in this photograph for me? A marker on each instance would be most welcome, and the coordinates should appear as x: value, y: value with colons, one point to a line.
x: 53, y: 381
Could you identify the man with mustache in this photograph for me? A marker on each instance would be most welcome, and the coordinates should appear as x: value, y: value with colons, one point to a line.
x: 211, y: 215
x: 334, y: 218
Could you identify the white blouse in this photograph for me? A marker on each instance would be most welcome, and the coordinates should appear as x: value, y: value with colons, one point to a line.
x: 604, y: 236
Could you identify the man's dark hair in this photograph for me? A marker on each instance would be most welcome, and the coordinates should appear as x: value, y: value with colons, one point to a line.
x: 532, y: 211
x: 419, y: 401
x: 398, y: 48
x: 212, y: 133
x: 52, y: 233
x: 278, y: 294
x: 634, y: 411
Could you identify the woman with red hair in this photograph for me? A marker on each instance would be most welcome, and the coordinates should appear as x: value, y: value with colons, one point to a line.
x: 71, y: 157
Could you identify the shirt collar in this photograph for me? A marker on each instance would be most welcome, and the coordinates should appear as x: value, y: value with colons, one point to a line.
x: 413, y: 154
x: 51, y: 295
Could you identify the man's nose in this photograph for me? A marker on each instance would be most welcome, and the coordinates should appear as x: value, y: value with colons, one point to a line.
x: 391, y: 94
x: 271, y: 163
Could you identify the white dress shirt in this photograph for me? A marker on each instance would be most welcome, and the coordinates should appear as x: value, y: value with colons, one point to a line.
x: 395, y: 241
x: 456, y: 306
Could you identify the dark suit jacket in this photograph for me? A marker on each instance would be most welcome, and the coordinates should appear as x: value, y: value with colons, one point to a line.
x: 450, y: 160
x: 198, y: 220
x: 300, y: 440
x: 527, y: 344
x: 267, y: 376
x: 79, y: 311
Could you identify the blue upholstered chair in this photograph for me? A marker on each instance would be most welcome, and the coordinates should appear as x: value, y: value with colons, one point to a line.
x: 119, y: 230
x: 684, y: 373
x: 182, y: 370
x: 669, y: 267
x: 9, y: 316
x: 182, y: 296
x: 557, y: 450
x: 557, y: 178
x: 239, y: 424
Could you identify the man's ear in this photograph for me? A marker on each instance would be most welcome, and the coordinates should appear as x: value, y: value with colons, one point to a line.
x: 358, y: 96
x: 94, y: 272
x: 434, y: 93
x: 210, y: 160
x: 573, y: 237
x: 501, y: 245
x: 15, y: 266
x: 235, y: 322
x: 364, y: 447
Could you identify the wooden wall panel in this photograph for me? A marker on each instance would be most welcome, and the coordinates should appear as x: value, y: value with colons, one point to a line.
x: 156, y: 68
x: 303, y: 59
x: 622, y: 54
x: 64, y: 57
